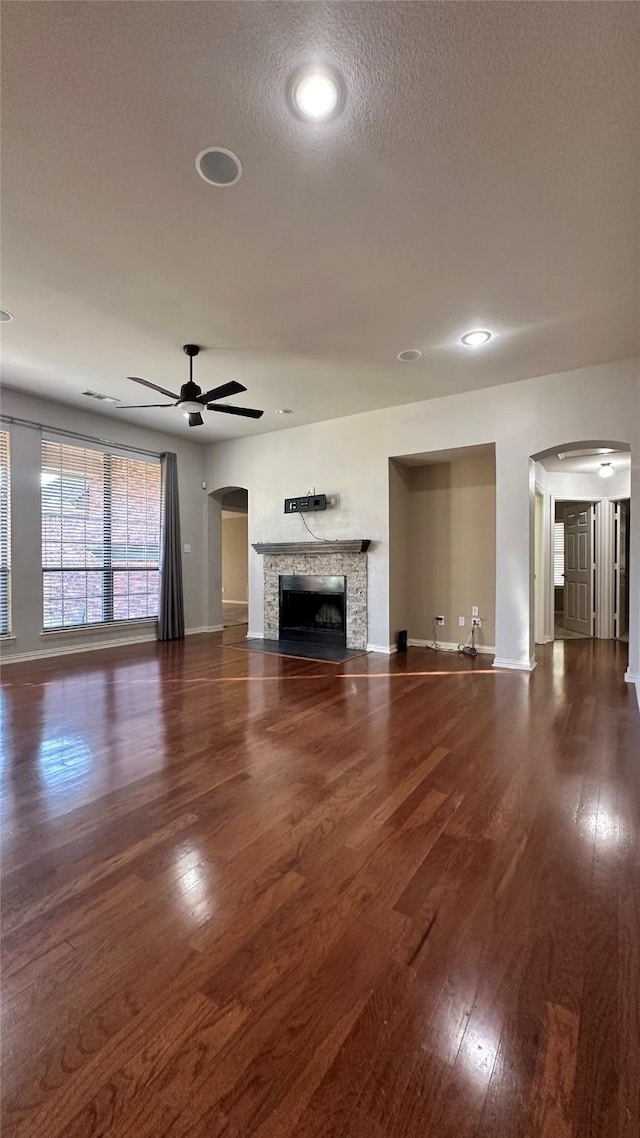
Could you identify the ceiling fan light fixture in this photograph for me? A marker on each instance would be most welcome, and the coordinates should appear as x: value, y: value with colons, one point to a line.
x: 189, y: 408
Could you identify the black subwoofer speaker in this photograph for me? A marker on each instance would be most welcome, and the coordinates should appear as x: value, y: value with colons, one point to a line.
x: 402, y: 640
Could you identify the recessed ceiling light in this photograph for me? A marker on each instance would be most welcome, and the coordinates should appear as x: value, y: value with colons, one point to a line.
x: 219, y: 166
x: 316, y: 93
x: 606, y: 470
x: 5, y: 316
x: 409, y: 355
x: 284, y: 411
x: 476, y: 338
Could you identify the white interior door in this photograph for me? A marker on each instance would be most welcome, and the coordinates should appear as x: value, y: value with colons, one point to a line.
x: 578, y: 568
x: 539, y: 570
x: 621, y: 570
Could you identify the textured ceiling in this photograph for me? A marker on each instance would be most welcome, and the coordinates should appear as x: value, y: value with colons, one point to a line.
x: 482, y: 173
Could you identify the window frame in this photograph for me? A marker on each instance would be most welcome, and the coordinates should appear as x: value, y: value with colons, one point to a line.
x: 107, y: 570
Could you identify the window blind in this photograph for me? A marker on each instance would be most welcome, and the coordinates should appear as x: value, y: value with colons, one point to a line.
x: 5, y: 536
x: 558, y: 554
x: 100, y: 536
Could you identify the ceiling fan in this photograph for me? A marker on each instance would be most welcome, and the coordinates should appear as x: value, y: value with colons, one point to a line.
x: 192, y: 400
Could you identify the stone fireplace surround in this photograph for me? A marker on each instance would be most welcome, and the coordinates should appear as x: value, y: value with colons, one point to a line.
x: 317, y: 559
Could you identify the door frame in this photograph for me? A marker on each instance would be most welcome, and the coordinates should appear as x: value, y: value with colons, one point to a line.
x: 539, y: 566
x: 617, y: 504
x: 603, y: 553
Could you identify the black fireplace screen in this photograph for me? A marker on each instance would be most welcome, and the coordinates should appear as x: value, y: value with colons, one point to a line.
x: 313, y: 609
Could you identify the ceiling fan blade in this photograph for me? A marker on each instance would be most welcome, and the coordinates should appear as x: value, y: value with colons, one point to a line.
x: 247, y: 412
x: 153, y: 386
x: 195, y: 419
x: 231, y: 388
x: 133, y: 406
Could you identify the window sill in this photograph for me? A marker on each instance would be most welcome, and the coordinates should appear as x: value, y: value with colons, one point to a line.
x: 84, y: 629
x: 7, y: 639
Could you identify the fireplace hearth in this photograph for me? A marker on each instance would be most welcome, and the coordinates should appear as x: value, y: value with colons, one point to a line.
x: 313, y: 609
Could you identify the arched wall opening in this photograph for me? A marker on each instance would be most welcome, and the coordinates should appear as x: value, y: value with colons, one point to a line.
x: 228, y: 556
x: 580, y: 571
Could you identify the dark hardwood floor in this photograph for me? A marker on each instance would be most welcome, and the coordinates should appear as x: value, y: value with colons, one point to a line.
x: 245, y: 895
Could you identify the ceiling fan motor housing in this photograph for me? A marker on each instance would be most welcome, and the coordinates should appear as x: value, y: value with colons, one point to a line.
x: 189, y: 391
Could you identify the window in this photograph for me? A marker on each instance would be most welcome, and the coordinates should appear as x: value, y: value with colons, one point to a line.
x: 5, y: 536
x: 100, y: 536
x: 558, y: 554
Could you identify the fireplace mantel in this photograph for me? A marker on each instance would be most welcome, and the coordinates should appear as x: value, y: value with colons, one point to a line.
x: 275, y: 548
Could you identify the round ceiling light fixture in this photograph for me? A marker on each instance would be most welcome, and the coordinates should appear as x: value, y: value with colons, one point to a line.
x: 189, y: 408
x: 284, y: 411
x: 219, y: 167
x: 409, y: 355
x: 316, y: 93
x: 476, y: 338
x: 605, y: 470
x: 5, y: 316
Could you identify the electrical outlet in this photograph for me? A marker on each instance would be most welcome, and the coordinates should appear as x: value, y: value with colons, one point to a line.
x: 474, y: 610
x: 461, y: 621
x: 439, y: 619
x: 476, y: 622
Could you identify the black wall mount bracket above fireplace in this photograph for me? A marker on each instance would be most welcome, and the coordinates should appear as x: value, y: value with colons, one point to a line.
x: 313, y: 609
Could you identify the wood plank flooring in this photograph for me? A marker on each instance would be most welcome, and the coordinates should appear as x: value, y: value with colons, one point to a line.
x: 246, y: 895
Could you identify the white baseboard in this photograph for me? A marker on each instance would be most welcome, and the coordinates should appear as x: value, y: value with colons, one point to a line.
x: 449, y: 646
x: 254, y: 635
x: 100, y: 646
x: 634, y: 678
x: 515, y: 665
x: 385, y: 649
x: 70, y: 649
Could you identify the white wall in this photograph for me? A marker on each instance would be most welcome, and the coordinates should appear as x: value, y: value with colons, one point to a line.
x: 349, y: 458
x: 399, y: 597
x: 26, y: 561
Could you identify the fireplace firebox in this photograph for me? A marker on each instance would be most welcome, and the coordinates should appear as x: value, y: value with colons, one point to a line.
x: 313, y: 609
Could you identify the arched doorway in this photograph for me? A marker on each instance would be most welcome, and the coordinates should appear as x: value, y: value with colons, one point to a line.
x: 229, y: 557
x: 581, y: 546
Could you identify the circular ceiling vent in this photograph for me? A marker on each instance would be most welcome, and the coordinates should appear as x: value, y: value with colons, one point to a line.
x: 218, y: 166
x: 409, y: 355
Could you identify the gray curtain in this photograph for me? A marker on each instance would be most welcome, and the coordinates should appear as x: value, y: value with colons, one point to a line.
x: 171, y: 609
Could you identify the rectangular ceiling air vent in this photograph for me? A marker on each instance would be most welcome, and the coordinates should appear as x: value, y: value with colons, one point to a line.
x: 102, y: 398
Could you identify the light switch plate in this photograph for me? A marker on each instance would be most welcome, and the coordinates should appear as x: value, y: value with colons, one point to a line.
x: 474, y: 610
x: 186, y: 549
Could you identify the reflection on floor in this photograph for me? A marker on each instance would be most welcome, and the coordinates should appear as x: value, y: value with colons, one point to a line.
x: 234, y: 613
x: 333, y: 653
x: 560, y: 633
